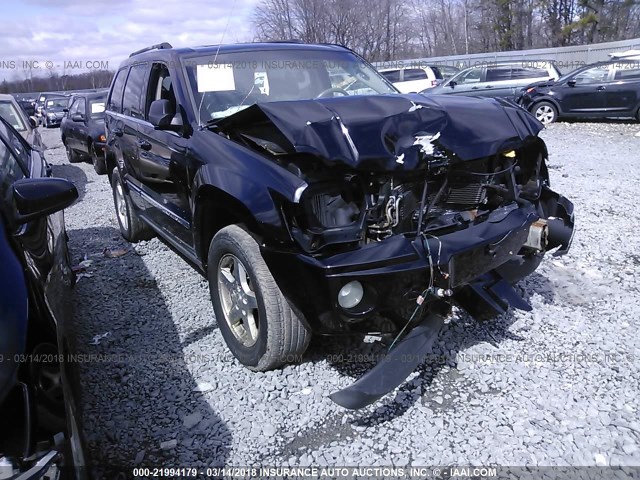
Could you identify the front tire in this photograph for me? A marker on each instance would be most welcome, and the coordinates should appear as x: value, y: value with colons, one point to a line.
x: 254, y: 317
x: 545, y: 112
x: 132, y: 228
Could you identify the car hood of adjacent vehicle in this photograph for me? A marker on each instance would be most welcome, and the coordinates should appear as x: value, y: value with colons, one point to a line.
x: 383, y: 132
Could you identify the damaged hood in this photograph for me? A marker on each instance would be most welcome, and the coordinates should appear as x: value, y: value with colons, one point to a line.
x: 384, y: 132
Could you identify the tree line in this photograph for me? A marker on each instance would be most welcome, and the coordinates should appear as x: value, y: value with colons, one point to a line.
x: 30, y: 82
x: 383, y: 30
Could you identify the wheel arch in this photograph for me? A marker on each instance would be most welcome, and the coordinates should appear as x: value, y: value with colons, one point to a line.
x: 548, y: 99
x: 214, y: 210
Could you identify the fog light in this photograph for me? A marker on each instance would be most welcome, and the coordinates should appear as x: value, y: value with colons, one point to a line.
x: 351, y: 294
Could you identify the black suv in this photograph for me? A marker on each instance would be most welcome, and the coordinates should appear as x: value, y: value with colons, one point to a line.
x: 605, y: 89
x: 82, y: 129
x: 315, y: 206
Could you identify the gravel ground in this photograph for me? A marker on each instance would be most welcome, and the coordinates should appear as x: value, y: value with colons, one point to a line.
x: 555, y: 386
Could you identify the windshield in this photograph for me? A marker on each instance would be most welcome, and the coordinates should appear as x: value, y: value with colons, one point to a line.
x: 227, y: 83
x: 96, y: 107
x: 58, y: 102
x: 10, y: 114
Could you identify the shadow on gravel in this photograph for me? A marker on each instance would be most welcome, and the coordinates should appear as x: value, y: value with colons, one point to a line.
x: 73, y: 173
x: 351, y: 357
x: 140, y: 407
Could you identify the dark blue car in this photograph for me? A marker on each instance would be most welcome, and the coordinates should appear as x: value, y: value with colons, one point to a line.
x: 36, y: 398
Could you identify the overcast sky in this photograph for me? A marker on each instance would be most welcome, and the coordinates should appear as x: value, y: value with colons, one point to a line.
x: 56, y: 32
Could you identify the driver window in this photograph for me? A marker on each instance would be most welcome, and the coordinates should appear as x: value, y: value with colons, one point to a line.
x: 592, y: 75
x: 160, y: 87
x: 472, y: 76
x: 74, y: 107
x: 81, y: 106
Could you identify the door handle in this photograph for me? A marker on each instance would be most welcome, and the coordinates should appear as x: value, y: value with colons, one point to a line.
x: 118, y: 132
x: 144, y: 145
x: 474, y: 88
x: 601, y: 88
x: 489, y: 86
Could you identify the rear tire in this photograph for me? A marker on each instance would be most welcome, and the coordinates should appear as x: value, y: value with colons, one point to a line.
x: 72, y: 156
x: 132, y: 228
x: 99, y: 164
x: 545, y: 112
x: 254, y: 317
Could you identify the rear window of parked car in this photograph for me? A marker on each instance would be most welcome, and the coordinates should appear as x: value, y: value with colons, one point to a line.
x: 627, y: 71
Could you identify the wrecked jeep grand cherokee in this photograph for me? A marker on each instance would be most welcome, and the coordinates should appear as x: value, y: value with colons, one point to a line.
x: 316, y: 198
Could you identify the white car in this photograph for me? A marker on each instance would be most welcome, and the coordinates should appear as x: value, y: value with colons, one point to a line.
x: 413, y: 79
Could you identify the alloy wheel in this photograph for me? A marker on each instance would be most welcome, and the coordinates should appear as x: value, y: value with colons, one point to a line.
x: 545, y: 114
x: 238, y: 299
x: 121, y: 207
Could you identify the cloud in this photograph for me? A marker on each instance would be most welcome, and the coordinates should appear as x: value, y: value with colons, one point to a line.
x: 63, y: 31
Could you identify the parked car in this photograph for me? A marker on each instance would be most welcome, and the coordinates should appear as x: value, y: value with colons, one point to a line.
x: 496, y: 80
x: 26, y: 126
x: 28, y: 105
x: 413, y: 79
x: 82, y: 129
x: 605, y: 89
x: 40, y: 101
x: 53, y: 111
x: 39, y: 431
x: 314, y: 209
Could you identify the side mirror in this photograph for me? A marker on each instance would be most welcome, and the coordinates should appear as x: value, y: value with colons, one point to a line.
x: 33, y: 121
x: 77, y: 117
x: 161, y: 114
x: 571, y: 83
x: 37, y: 197
x: 452, y: 84
x: 65, y: 110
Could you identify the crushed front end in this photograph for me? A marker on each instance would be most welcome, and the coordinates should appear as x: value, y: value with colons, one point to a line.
x: 432, y: 203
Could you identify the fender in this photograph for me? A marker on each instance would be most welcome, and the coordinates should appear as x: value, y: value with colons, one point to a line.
x: 250, y: 191
x: 547, y: 98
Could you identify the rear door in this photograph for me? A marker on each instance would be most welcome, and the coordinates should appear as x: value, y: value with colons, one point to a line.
x: 623, y: 93
x: 587, y: 95
x: 114, y: 120
x: 497, y: 82
x: 414, y: 80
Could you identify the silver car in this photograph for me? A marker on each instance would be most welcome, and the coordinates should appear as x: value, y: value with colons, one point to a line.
x: 13, y: 113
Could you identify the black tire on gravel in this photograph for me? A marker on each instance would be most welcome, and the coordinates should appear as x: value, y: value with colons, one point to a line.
x: 282, y: 337
x: 72, y: 156
x: 132, y: 228
x: 99, y: 164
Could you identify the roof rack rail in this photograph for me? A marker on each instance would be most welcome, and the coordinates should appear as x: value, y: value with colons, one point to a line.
x: 159, y: 46
x: 292, y: 40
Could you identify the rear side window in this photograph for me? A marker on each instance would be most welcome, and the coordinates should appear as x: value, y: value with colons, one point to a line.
x: 132, y: 98
x: 414, y: 74
x: 498, y: 74
x: 627, y: 71
x: 115, y: 98
x: 10, y: 167
x: 392, y: 75
x: 529, y: 72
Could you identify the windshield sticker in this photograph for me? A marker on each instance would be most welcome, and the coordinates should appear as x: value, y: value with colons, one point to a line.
x: 97, y: 107
x: 215, y: 78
